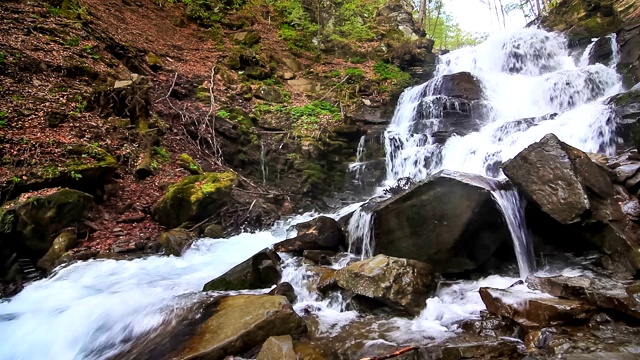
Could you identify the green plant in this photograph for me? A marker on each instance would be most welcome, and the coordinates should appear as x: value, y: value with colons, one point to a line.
x: 3, y: 58
x: 354, y: 72
x: 358, y: 60
x: 333, y: 74
x: 3, y: 116
x: 269, y: 82
x: 54, y: 11
x: 389, y: 72
x: 74, y: 41
x: 16, y: 180
x: 17, y: 98
x: 75, y: 175
x: 161, y: 153
x: 80, y: 105
x: 223, y: 114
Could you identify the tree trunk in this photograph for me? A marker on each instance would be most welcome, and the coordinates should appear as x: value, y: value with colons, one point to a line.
x: 538, y: 8
x: 422, y: 12
x: 435, y: 24
x: 504, y: 18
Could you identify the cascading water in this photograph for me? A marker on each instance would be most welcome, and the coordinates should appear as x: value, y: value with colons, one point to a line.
x: 531, y: 86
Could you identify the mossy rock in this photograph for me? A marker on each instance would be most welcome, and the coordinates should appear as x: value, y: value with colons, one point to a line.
x: 153, y: 61
x: 30, y: 224
x: 89, y: 162
x: 63, y: 243
x: 176, y: 241
x: 195, y: 198
x: 186, y: 162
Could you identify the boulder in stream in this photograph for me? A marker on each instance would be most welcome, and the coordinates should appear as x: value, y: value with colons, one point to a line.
x: 257, y: 272
x: 277, y: 347
x: 450, y: 222
x: 535, y: 309
x: 568, y: 186
x: 400, y: 283
x: 626, y: 111
x: 321, y: 233
x: 240, y: 323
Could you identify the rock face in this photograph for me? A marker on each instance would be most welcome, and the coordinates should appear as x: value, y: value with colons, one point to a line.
x: 258, y: 272
x: 321, y: 233
x: 240, y: 323
x: 627, y: 113
x: 277, y: 347
x: 400, y: 283
x: 194, y: 198
x: 598, y: 291
x: 449, y: 222
x: 535, y: 310
x: 572, y: 189
x: 462, y: 85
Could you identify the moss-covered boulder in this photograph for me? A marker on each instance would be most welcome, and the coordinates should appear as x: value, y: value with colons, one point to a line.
x: 240, y: 323
x: 64, y: 242
x: 584, y: 20
x: 195, y: 198
x: 258, y: 272
x: 28, y: 227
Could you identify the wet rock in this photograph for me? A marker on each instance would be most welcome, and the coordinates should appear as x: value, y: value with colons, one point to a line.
x: 285, y: 289
x: 626, y: 108
x: 450, y: 222
x: 194, y: 198
x: 176, y: 241
x: 320, y: 257
x: 240, y: 323
x: 602, y: 356
x: 535, y: 310
x: 213, y: 231
x: 277, y: 347
x: 625, y: 172
x: 321, y: 233
x: 306, y: 350
x: 572, y: 189
x: 258, y: 272
x: 598, y: 291
x: 462, y: 85
x: 501, y: 349
x: 62, y: 243
x: 400, y: 283
x: 601, y: 52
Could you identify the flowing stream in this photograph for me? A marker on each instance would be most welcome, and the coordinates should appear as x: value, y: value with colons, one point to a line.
x: 88, y: 307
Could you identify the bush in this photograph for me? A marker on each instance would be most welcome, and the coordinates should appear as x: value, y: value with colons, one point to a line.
x: 389, y: 72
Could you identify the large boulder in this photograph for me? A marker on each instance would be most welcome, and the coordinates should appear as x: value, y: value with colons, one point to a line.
x: 596, y: 290
x: 321, y: 233
x: 176, y: 241
x: 535, y: 310
x: 258, y: 272
x: 400, y: 283
x: 568, y: 186
x: 626, y: 108
x: 64, y: 242
x: 195, y: 198
x: 462, y: 85
x: 240, y: 323
x: 449, y: 221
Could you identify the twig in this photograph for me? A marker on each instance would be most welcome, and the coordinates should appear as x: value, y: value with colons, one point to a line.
x: 392, y: 355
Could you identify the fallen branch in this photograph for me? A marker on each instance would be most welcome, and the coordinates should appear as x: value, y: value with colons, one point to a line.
x: 333, y: 88
x: 392, y: 355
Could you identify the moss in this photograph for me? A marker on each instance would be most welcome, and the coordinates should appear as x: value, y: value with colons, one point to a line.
x: 195, y: 198
x: 186, y: 162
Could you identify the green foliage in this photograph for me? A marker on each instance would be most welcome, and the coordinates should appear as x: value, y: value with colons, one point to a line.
x: 223, y: 114
x: 80, y: 105
x: 355, y: 19
x: 161, y: 153
x: 446, y: 33
x: 354, y: 72
x: 308, y: 116
x: 358, y: 60
x: 3, y: 116
x: 54, y: 11
x: 75, y: 175
x: 74, y: 41
x: 3, y: 57
x: 390, y: 72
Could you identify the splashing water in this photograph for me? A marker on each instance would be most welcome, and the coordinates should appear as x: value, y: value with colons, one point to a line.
x: 361, y: 234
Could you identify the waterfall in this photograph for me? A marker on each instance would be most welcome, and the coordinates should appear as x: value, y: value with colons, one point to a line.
x: 512, y: 208
x: 531, y: 87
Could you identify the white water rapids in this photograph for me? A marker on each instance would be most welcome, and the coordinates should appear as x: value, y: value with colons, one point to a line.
x: 91, y: 306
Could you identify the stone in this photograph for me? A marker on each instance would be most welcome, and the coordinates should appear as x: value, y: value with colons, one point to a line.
x: 176, y: 241
x: 624, y: 172
x: 601, y: 52
x: 303, y: 85
x: 240, y: 323
x: 596, y: 290
x: 122, y: 83
x: 499, y: 349
x: 213, y: 231
x: 257, y: 272
x: 64, y: 242
x: 257, y: 73
x: 268, y: 93
x: 194, y: 198
x: 602, y: 356
x: 246, y: 38
x: 450, y: 221
x: 292, y: 64
x: 626, y: 108
x: 462, y: 85
x: 321, y: 233
x: 400, y: 283
x: 535, y: 310
x: 186, y: 162
x: 285, y: 289
x: 567, y: 185
x: 153, y: 62
x: 277, y: 348
x: 320, y: 257
x: 306, y: 350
